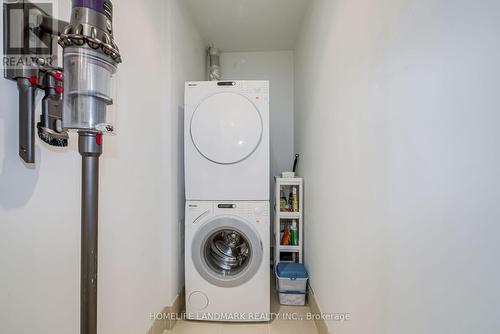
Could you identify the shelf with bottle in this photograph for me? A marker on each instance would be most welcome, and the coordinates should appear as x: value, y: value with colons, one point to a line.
x: 289, y: 198
x: 289, y: 233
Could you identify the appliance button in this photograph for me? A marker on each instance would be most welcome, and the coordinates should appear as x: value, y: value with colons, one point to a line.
x: 258, y: 211
x: 198, y: 300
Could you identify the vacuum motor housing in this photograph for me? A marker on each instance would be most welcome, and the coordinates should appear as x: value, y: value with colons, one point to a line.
x: 90, y: 57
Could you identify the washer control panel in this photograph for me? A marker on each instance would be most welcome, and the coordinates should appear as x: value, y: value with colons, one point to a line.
x: 199, y: 211
x: 252, y: 210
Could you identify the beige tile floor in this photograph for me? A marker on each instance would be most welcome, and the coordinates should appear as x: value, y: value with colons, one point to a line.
x: 277, y: 326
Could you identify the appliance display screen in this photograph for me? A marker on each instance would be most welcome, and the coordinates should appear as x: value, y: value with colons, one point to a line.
x: 227, y: 206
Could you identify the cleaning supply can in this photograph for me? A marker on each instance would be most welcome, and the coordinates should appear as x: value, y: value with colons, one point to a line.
x: 295, y: 200
x: 286, y: 238
x: 294, y: 234
x: 283, y: 201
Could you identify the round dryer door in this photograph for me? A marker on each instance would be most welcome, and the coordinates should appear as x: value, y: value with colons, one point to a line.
x: 226, y: 128
x: 227, y: 251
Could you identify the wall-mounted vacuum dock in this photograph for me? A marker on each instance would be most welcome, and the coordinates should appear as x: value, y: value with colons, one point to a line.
x: 30, y: 59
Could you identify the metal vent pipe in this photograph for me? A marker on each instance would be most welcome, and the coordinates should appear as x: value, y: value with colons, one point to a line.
x: 214, y: 70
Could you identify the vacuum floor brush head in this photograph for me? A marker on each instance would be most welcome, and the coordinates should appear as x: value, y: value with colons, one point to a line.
x: 52, y: 137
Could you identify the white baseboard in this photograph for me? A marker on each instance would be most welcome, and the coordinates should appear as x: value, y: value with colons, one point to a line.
x: 319, y: 321
x: 167, y: 323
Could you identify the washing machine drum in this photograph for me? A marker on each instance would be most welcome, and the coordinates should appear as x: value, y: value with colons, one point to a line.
x: 227, y: 252
x: 226, y: 128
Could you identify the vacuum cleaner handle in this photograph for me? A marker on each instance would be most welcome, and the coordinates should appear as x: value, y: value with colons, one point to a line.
x: 27, y: 93
x: 296, y: 161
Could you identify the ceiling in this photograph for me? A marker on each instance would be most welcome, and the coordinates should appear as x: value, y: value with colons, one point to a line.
x: 249, y: 25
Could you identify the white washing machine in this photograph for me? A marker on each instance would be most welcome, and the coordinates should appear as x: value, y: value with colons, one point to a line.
x: 227, y: 261
x: 226, y: 129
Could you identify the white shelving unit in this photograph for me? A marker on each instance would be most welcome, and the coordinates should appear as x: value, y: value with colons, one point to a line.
x: 283, y: 217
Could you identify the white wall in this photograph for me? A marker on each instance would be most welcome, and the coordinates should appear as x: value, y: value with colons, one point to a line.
x: 187, y: 63
x: 277, y: 67
x: 397, y: 117
x: 140, y: 187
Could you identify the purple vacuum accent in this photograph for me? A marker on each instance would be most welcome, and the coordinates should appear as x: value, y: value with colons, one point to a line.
x: 97, y: 5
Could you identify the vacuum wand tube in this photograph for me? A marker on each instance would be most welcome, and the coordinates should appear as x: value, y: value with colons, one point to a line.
x: 91, y: 149
x: 90, y: 62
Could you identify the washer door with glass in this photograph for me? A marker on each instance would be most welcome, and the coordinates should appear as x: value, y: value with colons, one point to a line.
x: 227, y: 251
x: 226, y: 128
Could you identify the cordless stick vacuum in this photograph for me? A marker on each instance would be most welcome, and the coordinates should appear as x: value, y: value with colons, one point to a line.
x: 90, y: 61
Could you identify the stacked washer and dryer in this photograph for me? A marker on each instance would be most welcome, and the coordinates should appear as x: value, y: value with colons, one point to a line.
x: 227, y: 226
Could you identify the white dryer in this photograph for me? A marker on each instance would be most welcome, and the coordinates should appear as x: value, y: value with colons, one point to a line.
x: 227, y: 261
x: 226, y: 130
